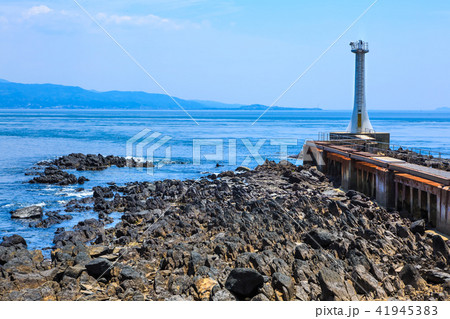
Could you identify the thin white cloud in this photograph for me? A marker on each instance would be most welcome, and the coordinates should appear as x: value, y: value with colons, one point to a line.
x: 37, y: 10
x: 146, y: 20
x: 42, y: 17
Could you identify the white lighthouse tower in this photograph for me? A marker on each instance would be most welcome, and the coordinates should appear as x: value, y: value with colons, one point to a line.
x: 360, y: 122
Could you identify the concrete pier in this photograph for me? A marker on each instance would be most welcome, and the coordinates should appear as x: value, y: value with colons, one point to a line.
x: 420, y: 191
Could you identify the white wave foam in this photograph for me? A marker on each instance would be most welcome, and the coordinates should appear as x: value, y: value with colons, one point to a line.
x: 71, y: 192
x: 40, y: 204
x: 81, y: 194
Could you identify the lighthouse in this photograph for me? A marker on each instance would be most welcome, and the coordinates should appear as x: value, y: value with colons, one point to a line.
x: 360, y: 129
x: 360, y: 122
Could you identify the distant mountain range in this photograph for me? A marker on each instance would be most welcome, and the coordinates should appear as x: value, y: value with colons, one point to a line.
x: 52, y: 96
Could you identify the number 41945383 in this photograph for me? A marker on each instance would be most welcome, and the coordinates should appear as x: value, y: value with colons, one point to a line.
x: 407, y: 310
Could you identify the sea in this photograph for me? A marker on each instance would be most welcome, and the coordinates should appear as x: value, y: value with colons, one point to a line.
x: 184, y: 146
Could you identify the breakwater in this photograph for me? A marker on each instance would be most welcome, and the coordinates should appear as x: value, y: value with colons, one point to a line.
x: 395, y: 179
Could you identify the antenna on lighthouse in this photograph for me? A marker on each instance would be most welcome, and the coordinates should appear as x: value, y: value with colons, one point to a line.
x: 360, y: 122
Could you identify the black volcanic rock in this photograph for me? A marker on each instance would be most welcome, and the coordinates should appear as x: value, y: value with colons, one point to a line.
x: 284, y: 285
x: 52, y: 219
x: 93, y: 162
x: 244, y: 282
x: 440, y: 246
x: 31, y: 212
x: 14, y: 240
x: 411, y: 276
x: 320, y: 238
x: 418, y: 226
x: 334, y: 286
x: 54, y: 175
x: 99, y: 267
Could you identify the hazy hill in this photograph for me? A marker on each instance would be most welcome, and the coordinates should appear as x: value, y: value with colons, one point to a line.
x: 52, y: 96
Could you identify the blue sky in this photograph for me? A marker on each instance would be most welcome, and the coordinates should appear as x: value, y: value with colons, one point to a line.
x: 235, y: 51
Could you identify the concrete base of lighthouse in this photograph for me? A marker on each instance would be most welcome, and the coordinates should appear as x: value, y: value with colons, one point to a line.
x: 382, y: 140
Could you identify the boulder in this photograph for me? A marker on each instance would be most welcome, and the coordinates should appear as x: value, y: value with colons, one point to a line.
x: 437, y: 276
x: 128, y: 272
x: 223, y: 295
x: 410, y: 276
x: 99, y: 267
x: 334, y: 209
x: 334, y: 288
x: 14, y: 240
x: 260, y: 297
x: 439, y: 245
x: 74, y: 271
x: 204, y: 287
x: 418, y: 227
x: 283, y: 285
x: 27, y: 212
x: 244, y: 282
x: 53, y: 219
x: 303, y: 252
x: 402, y: 231
x: 53, y: 175
x: 365, y: 283
x: 195, y: 262
x: 320, y: 238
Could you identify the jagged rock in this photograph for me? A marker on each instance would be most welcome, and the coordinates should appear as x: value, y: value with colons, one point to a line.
x: 418, y: 227
x: 365, y: 283
x: 128, y: 272
x: 195, y: 262
x: 320, y: 238
x: 283, y: 285
x: 81, y: 180
x: 99, y: 267
x: 437, y: 276
x: 204, y: 288
x: 14, y: 240
x: 244, y: 282
x: 303, y: 252
x: 335, y: 287
x: 402, y: 231
x: 260, y: 297
x: 52, y: 219
x: 74, y: 271
x: 439, y: 245
x: 410, y: 276
x: 53, y: 175
x: 223, y: 295
x: 334, y: 209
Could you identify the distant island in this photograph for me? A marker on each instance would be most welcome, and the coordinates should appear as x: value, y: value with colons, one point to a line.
x: 443, y: 109
x: 52, y: 96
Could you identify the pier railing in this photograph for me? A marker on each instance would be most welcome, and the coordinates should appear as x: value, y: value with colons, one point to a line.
x: 359, y: 144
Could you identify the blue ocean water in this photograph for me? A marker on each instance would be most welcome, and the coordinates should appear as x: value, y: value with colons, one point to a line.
x: 27, y: 137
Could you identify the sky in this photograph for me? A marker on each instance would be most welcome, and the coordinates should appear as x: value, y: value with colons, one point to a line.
x: 245, y: 52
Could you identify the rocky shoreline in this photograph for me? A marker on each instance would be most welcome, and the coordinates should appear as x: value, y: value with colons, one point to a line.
x: 278, y: 232
x: 92, y: 162
x: 53, y: 170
